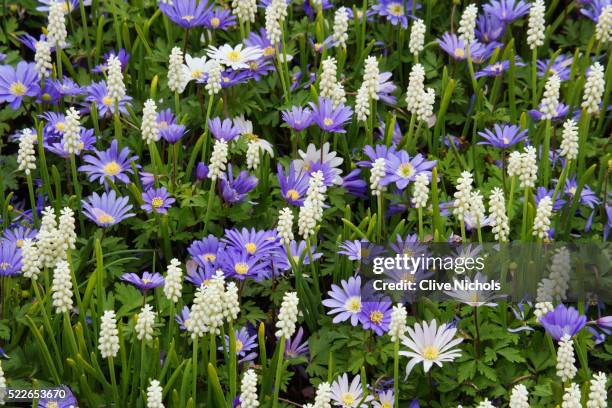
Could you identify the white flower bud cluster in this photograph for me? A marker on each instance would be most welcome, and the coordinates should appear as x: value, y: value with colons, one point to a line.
x: 566, y: 370
x: 463, y: 195
x: 173, y: 284
x: 371, y: 77
x: 72, y: 132
x: 327, y: 82
x: 42, y: 59
x: 287, y: 315
x: 340, y: 31
x: 252, y: 154
x: 514, y: 164
x: 528, y: 171
x: 177, y: 80
x: 49, y: 241
x: 550, y: 99
x: 377, y: 173
x: 421, y: 191
x: 2, y: 385
x: 571, y: 398
x: 598, y: 394
x: 155, y: 395
x: 417, y: 37
x: 116, y: 87
x: 362, y: 104
x: 477, y: 208
x: 145, y: 322
x: 25, y: 156
x: 62, y: 288
x: 498, y: 217
x: 541, y: 223
x: 56, y: 26
x: 339, y: 95
x: 66, y: 230
x: 245, y: 10
x: 108, y: 342
x: 418, y: 99
x: 312, y: 210
x: 248, y: 390
x: 30, y: 261
x: 276, y: 12
x: 398, y: 326
x: 211, y: 305
x: 485, y: 404
x: 323, y: 396
x: 593, y: 88
x: 213, y: 83
x: 569, y: 140
x: 603, y: 29
x: 218, y: 159
x: 232, y: 302
x: 467, y: 24
x: 536, y: 24
x: 149, y: 128
x: 519, y: 398
x: 285, y: 225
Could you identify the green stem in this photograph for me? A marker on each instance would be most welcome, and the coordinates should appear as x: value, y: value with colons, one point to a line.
x: 545, y: 153
x: 396, y: 371
x: 525, y: 208
x: 534, y: 79
x: 111, y: 369
x: 32, y: 198
x: 279, y: 371
x: 194, y: 378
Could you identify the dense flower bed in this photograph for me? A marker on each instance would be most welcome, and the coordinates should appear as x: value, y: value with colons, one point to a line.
x: 194, y: 191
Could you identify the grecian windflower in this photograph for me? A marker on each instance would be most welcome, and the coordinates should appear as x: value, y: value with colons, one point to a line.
x: 507, y: 10
x: 235, y: 189
x: 375, y: 315
x: 17, y: 83
x: 220, y: 19
x: 237, y: 57
x: 239, y: 264
x: 489, y: 28
x: 347, y: 395
x: 10, y: 259
x: 145, y: 282
x: 186, y: 13
x: 457, y: 50
x: 497, y: 68
x: 105, y: 105
x: 156, y: 200
x: 395, y: 11
x: 224, y: 130
x: 330, y: 118
x: 107, y: 209
x: 246, y: 345
x: 401, y: 169
x: 196, y: 68
x: 298, y: 118
x: 322, y: 156
x: 110, y: 163
x: 563, y: 320
x: 503, y: 136
x: 430, y: 344
x: 345, y: 301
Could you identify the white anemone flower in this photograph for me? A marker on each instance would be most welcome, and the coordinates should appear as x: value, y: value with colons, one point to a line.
x: 312, y: 154
x: 348, y: 395
x: 234, y: 57
x: 430, y: 345
x: 196, y: 68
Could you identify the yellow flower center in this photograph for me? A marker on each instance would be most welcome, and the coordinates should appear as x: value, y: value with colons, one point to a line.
x: 431, y: 352
x: 19, y: 243
x: 18, y: 88
x: 251, y: 247
x: 112, y: 168
x: 474, y: 298
x: 364, y: 253
x: 241, y: 268
x: 386, y: 404
x: 376, y: 317
x: 196, y: 73
x: 348, y: 399
x: 239, y: 346
x: 107, y: 100
x: 60, y: 126
x: 146, y: 281
x: 405, y: 170
x: 459, y: 52
x: 4, y: 266
x: 506, y: 141
x: 498, y: 68
x: 292, y: 194
x: 396, y: 9
x: 210, y: 257
x: 215, y: 22
x: 253, y: 65
x: 157, y: 202
x: 188, y: 18
x: 46, y: 97
x: 572, y: 190
x: 226, y: 79
x: 328, y: 122
x: 353, y: 304
x: 105, y: 218
x: 162, y: 124
x: 233, y: 56
x: 268, y: 51
x: 65, y: 7
x: 318, y: 46
x: 52, y: 404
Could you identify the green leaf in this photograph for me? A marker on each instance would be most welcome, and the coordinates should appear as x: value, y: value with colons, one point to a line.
x: 512, y: 355
x: 466, y: 371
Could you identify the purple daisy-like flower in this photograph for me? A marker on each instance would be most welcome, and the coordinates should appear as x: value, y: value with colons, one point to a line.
x: 311, y: 11
x: 199, y: 275
x: 110, y: 163
x: 255, y: 242
x: 261, y: 41
x: 328, y: 118
x: 145, y: 282
x: 108, y: 209
x: 498, y: 68
x: 507, y: 10
x: 401, y: 169
x: 360, y: 250
x: 355, y: 185
x: 503, y: 136
x: 374, y: 153
x: 345, y: 301
x: 239, y: 264
x: 299, y: 251
x: 298, y: 118
x: 318, y: 47
x: 48, y: 94
x: 562, y: 320
x: 226, y: 129
x: 18, y: 234
x: 88, y: 140
x: 173, y: 133
x: 206, y: 250
x: 542, y: 192
x: 593, y: 8
x: 98, y: 92
x: 220, y: 19
x: 67, y: 87
x: 146, y: 179
x: 245, y: 344
x: 294, y: 347
x: 396, y: 11
x: 562, y: 111
x: 587, y: 196
x: 456, y: 48
x: 62, y: 400
x: 10, y: 259
x: 235, y: 189
x: 122, y: 55
x: 201, y: 171
x: 376, y: 316
x: 489, y: 28
x: 293, y: 186
x: 186, y: 13
x: 183, y: 318
x: 386, y: 87
x: 560, y: 66
x: 17, y: 83
x: 156, y: 200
